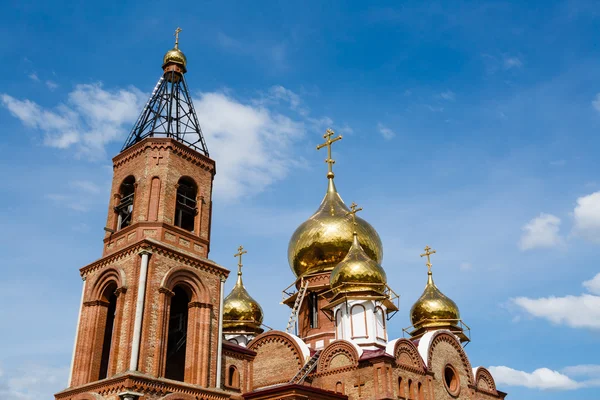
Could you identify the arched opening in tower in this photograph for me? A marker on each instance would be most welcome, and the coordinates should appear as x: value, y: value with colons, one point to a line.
x: 177, y: 336
x: 125, y: 208
x: 185, y: 208
x: 110, y: 297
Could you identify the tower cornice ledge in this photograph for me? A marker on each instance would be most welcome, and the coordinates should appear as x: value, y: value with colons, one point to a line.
x: 158, y: 143
x: 153, y: 246
x: 141, y: 382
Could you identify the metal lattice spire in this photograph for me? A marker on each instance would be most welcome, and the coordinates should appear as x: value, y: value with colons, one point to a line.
x: 169, y: 112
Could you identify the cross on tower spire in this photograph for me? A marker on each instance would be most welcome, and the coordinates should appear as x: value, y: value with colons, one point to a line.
x: 177, y: 37
x: 428, y: 252
x: 239, y: 254
x: 328, y: 142
x: 354, y: 209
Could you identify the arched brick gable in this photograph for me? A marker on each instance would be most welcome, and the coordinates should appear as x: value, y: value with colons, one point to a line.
x: 278, y: 358
x: 336, y: 350
x: 407, y: 356
x: 484, y: 381
x: 447, y: 337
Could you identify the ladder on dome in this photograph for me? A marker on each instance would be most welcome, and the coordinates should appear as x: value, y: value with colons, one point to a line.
x: 296, y: 308
x: 306, y: 369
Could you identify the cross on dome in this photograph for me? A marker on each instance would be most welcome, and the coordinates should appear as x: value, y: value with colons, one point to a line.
x: 239, y: 254
x: 177, y: 37
x: 354, y: 209
x: 428, y: 252
x: 328, y: 142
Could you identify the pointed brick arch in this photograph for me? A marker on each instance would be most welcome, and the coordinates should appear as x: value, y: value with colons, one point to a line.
x: 407, y: 356
x: 449, y: 338
x: 107, y: 277
x: 337, y: 355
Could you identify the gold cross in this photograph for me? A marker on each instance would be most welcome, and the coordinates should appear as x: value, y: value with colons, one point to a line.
x: 353, y: 212
x: 328, y: 142
x: 177, y: 37
x: 428, y: 252
x: 239, y: 254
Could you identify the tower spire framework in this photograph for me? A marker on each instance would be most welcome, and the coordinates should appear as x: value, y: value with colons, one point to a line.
x: 170, y: 112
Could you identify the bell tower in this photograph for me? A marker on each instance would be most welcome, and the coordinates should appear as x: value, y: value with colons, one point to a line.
x: 151, y: 311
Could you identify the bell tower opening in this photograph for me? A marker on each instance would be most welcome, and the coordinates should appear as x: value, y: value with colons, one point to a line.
x: 111, y: 297
x: 177, y: 335
x: 125, y: 208
x: 185, y: 209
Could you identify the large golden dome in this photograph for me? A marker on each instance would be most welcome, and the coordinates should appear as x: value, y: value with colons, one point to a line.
x: 322, y: 241
x: 241, y: 313
x: 434, y: 309
x: 357, y: 273
x: 175, y: 56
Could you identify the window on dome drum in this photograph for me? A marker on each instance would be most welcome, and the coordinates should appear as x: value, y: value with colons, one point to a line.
x: 233, y: 377
x: 177, y: 335
x: 125, y: 208
x: 313, y: 310
x: 185, y: 208
x: 110, y: 297
x: 451, y: 380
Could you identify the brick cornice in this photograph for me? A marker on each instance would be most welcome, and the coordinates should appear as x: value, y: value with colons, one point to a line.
x: 174, y: 146
x: 155, y: 247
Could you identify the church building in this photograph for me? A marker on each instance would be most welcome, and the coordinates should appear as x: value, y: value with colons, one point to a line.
x: 154, y: 321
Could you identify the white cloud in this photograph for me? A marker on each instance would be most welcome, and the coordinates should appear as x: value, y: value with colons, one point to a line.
x: 251, y: 143
x: 593, y: 285
x: 447, y: 95
x: 86, y: 186
x: 542, y: 231
x: 465, y: 266
x: 51, y: 85
x: 589, y: 370
x: 587, y: 217
x: 512, y: 62
x: 33, y: 76
x: 596, y: 102
x: 32, y: 382
x: 386, y: 132
x: 91, y: 118
x: 541, y: 378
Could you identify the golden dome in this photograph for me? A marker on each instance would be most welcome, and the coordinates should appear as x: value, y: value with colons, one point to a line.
x: 357, y: 272
x: 434, y: 309
x: 322, y: 241
x: 241, y: 313
x: 175, y: 56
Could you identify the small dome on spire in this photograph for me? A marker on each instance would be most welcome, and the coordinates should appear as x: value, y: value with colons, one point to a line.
x: 175, y: 56
x: 322, y: 241
x: 357, y: 272
x: 241, y: 313
x: 433, y: 309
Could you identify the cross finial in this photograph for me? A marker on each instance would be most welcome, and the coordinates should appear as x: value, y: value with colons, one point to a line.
x: 177, y: 37
x: 328, y: 142
x: 239, y: 254
x: 354, y: 209
x: 428, y: 252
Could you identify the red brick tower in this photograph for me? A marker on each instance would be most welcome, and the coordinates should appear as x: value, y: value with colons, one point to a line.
x: 150, y: 319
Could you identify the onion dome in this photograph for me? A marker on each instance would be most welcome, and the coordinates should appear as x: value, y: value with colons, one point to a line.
x: 357, y: 273
x: 323, y: 241
x: 433, y: 308
x: 175, y: 56
x: 241, y: 313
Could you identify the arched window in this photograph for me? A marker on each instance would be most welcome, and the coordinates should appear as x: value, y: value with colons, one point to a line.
x: 233, y: 377
x: 379, y: 323
x: 401, y: 392
x: 177, y: 335
x: 125, y: 208
x: 420, y: 393
x: 359, y: 321
x: 109, y: 296
x: 339, y: 328
x: 313, y: 310
x: 185, y: 207
x: 339, y: 388
x: 410, y: 389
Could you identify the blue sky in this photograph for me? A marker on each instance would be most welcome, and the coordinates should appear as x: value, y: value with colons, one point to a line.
x: 468, y: 126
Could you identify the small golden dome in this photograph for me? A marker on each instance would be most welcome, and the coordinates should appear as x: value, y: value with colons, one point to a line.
x: 434, y: 309
x: 241, y: 313
x: 175, y: 56
x: 357, y: 273
x: 322, y: 241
